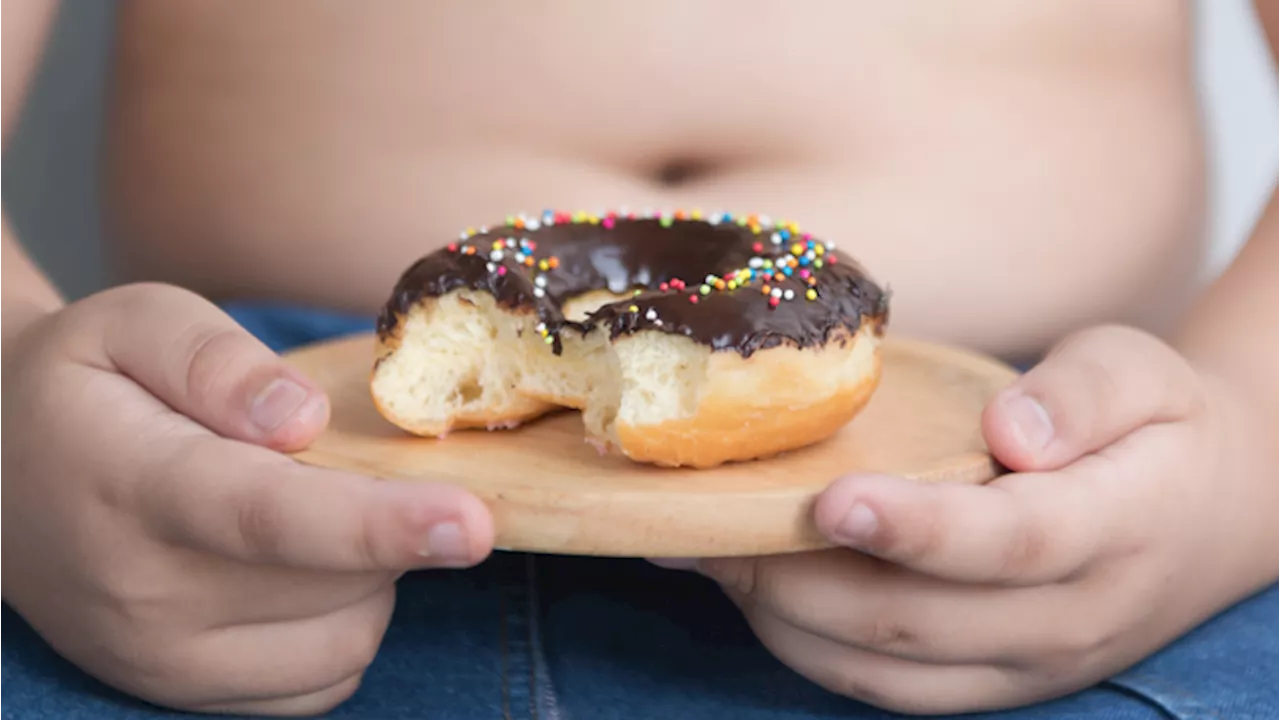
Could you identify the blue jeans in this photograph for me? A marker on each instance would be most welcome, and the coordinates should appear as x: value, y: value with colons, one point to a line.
x: 547, y: 637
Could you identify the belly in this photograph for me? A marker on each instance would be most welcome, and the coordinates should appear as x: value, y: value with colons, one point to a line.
x: 1011, y: 170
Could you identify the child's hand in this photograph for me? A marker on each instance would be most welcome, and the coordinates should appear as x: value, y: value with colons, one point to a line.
x: 1138, y: 508
x: 156, y: 538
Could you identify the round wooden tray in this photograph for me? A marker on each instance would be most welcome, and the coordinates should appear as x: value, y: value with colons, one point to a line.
x: 550, y: 491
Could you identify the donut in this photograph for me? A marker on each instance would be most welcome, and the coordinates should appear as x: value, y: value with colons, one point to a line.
x: 684, y: 339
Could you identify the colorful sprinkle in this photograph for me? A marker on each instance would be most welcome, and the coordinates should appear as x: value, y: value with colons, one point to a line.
x: 797, y: 255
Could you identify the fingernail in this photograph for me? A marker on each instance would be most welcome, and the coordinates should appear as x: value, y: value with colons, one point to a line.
x: 1031, y: 425
x: 279, y: 401
x: 447, y: 542
x: 858, y: 525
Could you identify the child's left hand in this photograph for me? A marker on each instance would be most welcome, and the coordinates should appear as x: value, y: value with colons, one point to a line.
x: 1138, y: 506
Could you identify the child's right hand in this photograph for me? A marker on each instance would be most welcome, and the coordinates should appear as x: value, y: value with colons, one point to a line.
x: 158, y: 539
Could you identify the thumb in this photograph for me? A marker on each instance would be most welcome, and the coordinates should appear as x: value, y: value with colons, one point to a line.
x: 1091, y: 390
x: 195, y: 358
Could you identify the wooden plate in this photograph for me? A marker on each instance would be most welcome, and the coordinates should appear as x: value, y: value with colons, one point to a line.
x: 552, y: 492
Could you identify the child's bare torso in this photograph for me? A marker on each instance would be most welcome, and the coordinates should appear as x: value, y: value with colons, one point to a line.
x: 1012, y: 169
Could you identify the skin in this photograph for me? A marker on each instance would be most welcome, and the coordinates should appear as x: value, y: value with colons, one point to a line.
x: 169, y: 548
x: 1059, y: 135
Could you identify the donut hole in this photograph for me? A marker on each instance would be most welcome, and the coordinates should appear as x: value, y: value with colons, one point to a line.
x: 577, y: 308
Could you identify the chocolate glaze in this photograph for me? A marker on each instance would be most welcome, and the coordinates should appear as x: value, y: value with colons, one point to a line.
x: 623, y: 255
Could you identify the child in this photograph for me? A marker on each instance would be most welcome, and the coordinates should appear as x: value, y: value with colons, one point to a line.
x: 288, y: 161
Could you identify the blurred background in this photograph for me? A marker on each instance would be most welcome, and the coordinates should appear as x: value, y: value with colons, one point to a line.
x: 51, y: 195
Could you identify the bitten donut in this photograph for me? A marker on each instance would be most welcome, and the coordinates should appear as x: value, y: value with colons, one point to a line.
x: 684, y: 339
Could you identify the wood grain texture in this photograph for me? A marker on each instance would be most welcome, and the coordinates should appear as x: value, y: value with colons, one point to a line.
x: 552, y: 492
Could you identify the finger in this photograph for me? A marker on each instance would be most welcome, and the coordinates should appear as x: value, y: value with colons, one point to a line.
x: 1092, y: 390
x: 254, y: 506
x: 194, y: 357
x: 886, y: 682
x: 287, y: 661
x: 227, y: 592
x: 1019, y: 529
x: 862, y: 602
